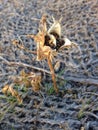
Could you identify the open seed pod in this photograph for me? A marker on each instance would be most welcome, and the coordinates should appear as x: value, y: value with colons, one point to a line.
x: 55, y: 29
x: 68, y: 44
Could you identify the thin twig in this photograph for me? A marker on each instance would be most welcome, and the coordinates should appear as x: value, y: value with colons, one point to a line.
x: 25, y: 65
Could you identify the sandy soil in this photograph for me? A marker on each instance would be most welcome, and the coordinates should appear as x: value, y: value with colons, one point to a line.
x: 76, y: 106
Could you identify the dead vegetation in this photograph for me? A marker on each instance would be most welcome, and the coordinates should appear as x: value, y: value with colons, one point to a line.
x: 49, y: 42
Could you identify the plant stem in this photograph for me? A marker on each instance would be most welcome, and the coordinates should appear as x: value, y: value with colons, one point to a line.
x: 52, y: 73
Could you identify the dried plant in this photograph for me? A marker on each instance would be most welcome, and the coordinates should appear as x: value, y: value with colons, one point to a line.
x: 49, y: 41
x: 25, y: 80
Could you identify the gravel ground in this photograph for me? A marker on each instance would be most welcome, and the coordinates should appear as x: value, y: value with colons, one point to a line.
x: 76, y: 106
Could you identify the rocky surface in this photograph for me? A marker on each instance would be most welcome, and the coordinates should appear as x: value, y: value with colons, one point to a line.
x: 76, y: 106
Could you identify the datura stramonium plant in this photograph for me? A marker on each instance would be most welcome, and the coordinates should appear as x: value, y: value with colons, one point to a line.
x: 49, y: 42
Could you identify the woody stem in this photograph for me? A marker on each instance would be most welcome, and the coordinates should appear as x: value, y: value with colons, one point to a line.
x: 52, y: 73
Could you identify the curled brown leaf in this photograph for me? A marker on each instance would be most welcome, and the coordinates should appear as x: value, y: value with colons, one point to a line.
x: 9, y: 89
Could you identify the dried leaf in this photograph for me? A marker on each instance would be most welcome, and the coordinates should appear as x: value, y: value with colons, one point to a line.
x: 22, y: 79
x: 13, y: 92
x: 35, y: 81
x: 9, y: 89
x: 43, y: 26
x: 5, y: 89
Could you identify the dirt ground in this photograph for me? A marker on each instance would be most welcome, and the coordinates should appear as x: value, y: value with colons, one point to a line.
x: 76, y: 105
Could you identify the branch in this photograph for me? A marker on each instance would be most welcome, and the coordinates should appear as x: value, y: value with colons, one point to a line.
x: 23, y: 64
